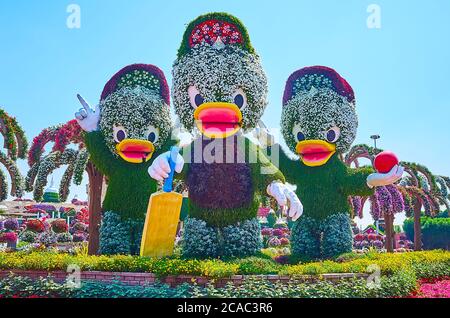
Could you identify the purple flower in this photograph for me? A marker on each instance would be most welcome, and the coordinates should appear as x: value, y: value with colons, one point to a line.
x: 278, y: 232
x: 384, y: 199
x: 378, y: 244
x: 374, y: 207
x: 397, y: 198
x: 274, y: 241
x: 11, y: 224
x: 266, y: 231
x: 45, y: 207
x: 356, y: 202
x: 78, y: 237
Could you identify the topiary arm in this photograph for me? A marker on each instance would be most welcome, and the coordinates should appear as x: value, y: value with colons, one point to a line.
x: 100, y: 155
x: 264, y: 172
x: 355, y: 182
x: 285, y: 164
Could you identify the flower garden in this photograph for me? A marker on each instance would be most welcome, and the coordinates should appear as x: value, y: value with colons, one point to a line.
x: 162, y: 223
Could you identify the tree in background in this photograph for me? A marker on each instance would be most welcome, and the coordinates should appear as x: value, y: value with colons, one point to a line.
x: 16, y: 147
x: 68, y: 150
x: 418, y: 189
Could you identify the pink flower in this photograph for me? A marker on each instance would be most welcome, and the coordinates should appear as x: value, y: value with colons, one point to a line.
x: 278, y: 232
x: 284, y: 241
x: 433, y: 288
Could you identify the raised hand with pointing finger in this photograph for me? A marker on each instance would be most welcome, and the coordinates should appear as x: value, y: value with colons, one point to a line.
x: 87, y: 118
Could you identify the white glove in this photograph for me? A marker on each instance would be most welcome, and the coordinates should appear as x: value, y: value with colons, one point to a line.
x: 160, y: 169
x: 86, y: 117
x: 382, y: 179
x: 283, y: 195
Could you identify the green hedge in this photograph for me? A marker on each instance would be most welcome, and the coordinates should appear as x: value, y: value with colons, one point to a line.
x: 425, y: 261
x: 400, y: 284
x: 435, y: 232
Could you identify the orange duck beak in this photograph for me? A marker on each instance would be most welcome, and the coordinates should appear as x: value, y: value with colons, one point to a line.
x: 135, y: 150
x: 315, y: 153
x: 217, y: 119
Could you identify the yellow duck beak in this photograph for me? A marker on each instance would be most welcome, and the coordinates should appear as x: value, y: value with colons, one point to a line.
x: 314, y: 153
x: 135, y: 150
x: 218, y: 119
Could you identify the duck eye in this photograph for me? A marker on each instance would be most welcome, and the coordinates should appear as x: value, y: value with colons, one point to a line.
x: 119, y: 133
x: 333, y: 134
x: 198, y: 100
x: 152, y: 134
x: 195, y: 97
x: 298, y: 134
x: 239, y: 98
x: 151, y: 137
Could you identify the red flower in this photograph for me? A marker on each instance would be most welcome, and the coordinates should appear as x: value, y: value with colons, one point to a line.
x: 209, y: 30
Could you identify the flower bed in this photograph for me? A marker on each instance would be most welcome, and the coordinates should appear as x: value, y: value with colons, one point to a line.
x: 131, y: 276
x: 433, y: 288
x: 423, y: 264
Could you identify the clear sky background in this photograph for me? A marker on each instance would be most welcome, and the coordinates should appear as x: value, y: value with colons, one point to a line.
x: 399, y: 72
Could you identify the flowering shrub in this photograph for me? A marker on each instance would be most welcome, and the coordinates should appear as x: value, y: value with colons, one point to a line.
x: 278, y: 233
x: 36, y: 226
x: 276, y: 237
x: 41, y: 206
x: 78, y: 227
x: 284, y: 241
x: 47, y: 238
x: 11, y: 224
x: 64, y: 237
x: 366, y: 241
x: 28, y: 236
x: 83, y: 216
x: 8, y: 237
x: 274, y: 241
x: 282, y: 259
x: 79, y: 237
x: 59, y: 226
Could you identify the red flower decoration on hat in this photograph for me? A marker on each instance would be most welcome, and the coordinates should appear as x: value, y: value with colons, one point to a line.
x: 208, y: 31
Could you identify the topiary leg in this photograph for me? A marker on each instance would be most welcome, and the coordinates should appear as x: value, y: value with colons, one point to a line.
x: 305, y: 238
x: 114, y: 235
x: 136, y: 228
x: 337, y: 235
x: 241, y: 240
x: 199, y: 240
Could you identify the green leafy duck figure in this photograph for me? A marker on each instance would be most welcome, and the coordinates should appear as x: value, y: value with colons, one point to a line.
x: 128, y: 129
x: 220, y: 90
x: 319, y: 123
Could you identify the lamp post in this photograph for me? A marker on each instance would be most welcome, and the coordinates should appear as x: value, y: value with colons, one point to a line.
x: 375, y: 137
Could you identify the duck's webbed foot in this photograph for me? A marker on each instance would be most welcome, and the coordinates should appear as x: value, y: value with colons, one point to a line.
x: 199, y: 240
x: 243, y: 239
x: 337, y: 235
x: 305, y: 238
x: 118, y: 236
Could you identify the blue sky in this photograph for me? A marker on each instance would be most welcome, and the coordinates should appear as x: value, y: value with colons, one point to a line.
x: 399, y: 72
